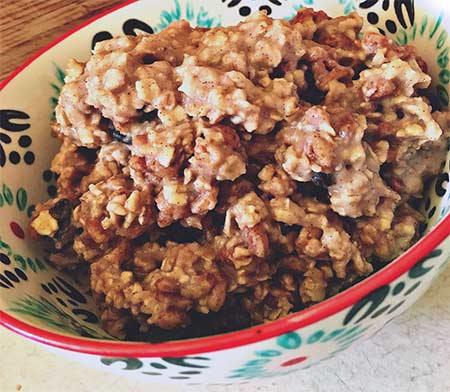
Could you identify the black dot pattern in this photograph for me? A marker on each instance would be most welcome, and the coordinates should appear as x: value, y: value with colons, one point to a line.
x: 29, y: 157
x: 372, y: 17
x: 245, y: 11
x: 4, y: 259
x: 61, y: 301
x: 391, y: 26
x: 403, y: 12
x: 4, y: 282
x: 24, y: 141
x: 8, y: 123
x: 266, y: 8
x: 47, y: 175
x: 52, y: 191
x: 427, y: 203
x: 20, y: 274
x: 11, y: 276
x: 398, y: 288
x: 431, y: 212
x: 14, y: 157
x: 50, y: 177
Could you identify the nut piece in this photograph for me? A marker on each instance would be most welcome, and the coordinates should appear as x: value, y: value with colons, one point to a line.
x: 45, y: 224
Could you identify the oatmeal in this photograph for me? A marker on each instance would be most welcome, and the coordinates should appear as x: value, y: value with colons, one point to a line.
x: 212, y: 179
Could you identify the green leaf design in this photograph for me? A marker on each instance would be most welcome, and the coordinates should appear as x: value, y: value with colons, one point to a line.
x: 31, y: 264
x: 2, y: 202
x: 442, y: 59
x: 59, y: 73
x: 4, y: 245
x: 436, y: 26
x: 40, y: 308
x: 423, y: 24
x: 44, y: 310
x: 198, y: 16
x: 40, y: 264
x: 30, y: 210
x: 442, y: 95
x: 441, y: 39
x: 413, y: 31
x: 55, y: 88
x: 21, y: 199
x: 7, y: 194
x: 350, y: 7
x: 177, y: 13
x: 189, y: 11
x: 19, y: 259
x: 35, y: 264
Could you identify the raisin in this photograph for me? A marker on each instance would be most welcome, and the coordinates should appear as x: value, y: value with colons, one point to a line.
x: 148, y: 59
x: 400, y: 114
x: 322, y: 179
x: 89, y: 154
x: 308, y: 189
x: 421, y: 229
x: 277, y: 72
x: 286, y: 229
x: 107, y: 124
x: 182, y: 235
x: 147, y: 116
x: 120, y: 137
x: 62, y: 212
x: 312, y: 94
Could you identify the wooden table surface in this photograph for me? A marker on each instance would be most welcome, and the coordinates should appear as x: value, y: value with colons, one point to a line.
x: 28, y: 25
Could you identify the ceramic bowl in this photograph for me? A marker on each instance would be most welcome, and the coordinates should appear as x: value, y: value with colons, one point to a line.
x: 42, y: 304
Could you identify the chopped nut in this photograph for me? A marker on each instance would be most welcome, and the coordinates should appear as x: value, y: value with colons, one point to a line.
x: 45, y: 224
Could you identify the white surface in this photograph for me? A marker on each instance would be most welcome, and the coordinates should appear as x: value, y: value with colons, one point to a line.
x: 412, y: 354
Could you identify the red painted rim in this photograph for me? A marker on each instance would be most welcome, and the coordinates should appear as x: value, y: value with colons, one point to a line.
x: 233, y: 339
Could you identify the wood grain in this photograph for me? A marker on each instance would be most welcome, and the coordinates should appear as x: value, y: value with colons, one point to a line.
x: 28, y: 25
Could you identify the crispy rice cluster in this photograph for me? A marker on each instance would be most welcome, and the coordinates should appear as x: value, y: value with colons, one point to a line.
x: 218, y: 178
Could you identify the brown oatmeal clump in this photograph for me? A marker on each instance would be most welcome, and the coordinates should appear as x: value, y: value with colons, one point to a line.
x: 210, y: 179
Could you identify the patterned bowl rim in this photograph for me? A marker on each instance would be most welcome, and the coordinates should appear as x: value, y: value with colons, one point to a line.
x: 232, y: 339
